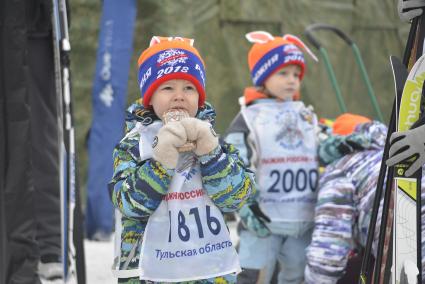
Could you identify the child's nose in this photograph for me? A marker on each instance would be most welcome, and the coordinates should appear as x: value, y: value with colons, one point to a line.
x: 179, y: 95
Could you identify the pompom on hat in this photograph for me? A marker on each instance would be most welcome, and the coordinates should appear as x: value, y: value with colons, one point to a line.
x: 169, y: 58
x: 270, y: 54
x: 346, y: 123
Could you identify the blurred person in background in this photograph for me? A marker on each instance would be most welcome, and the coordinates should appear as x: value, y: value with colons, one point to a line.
x: 30, y: 164
x: 275, y: 134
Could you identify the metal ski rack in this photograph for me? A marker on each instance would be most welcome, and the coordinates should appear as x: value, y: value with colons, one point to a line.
x: 313, y: 40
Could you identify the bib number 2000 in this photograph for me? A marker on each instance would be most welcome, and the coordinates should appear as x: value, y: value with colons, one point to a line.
x: 183, y: 231
x: 290, y: 180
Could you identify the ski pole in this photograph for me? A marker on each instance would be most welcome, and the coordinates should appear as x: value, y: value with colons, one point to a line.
x: 357, y: 57
x: 67, y: 153
x: 383, y: 226
x: 365, y: 276
x: 3, y: 232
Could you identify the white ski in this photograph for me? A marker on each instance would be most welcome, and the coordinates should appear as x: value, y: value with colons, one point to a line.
x: 406, y: 226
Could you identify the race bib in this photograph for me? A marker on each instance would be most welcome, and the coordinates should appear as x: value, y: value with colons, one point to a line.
x: 186, y: 238
x: 287, y: 167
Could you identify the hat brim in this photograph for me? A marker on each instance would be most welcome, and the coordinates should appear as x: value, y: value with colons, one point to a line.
x: 294, y: 62
x: 174, y: 76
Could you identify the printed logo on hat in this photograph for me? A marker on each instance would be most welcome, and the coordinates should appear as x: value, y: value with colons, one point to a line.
x: 291, y: 53
x: 261, y: 69
x: 172, y: 57
x: 145, y: 77
x: 290, y: 48
x: 172, y: 61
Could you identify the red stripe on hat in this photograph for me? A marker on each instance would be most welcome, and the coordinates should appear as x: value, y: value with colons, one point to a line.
x: 174, y: 76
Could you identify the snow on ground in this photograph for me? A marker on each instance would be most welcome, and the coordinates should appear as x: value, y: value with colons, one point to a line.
x: 99, y: 257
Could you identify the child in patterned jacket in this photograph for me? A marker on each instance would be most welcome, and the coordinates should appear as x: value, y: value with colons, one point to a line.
x: 173, y: 179
x: 345, y: 199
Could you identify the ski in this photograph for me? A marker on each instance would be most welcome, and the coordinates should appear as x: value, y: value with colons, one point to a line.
x: 407, y: 222
x: 385, y: 234
x: 66, y: 136
x: 385, y: 237
x: 369, y: 271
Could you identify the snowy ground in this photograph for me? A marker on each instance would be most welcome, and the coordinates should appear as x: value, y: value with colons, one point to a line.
x: 99, y: 256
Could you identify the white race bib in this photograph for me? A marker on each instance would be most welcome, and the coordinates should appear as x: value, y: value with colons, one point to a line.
x: 186, y: 238
x: 287, y: 167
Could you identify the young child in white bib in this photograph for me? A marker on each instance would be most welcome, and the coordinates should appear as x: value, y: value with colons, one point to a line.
x: 173, y: 179
x: 276, y: 135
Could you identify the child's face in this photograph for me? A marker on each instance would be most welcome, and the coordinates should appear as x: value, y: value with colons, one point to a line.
x: 285, y: 83
x: 175, y: 94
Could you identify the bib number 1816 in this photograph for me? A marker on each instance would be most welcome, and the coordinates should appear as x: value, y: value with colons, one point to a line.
x: 183, y: 231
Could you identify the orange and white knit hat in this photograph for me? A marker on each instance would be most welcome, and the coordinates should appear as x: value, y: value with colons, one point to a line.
x: 169, y: 58
x: 270, y: 54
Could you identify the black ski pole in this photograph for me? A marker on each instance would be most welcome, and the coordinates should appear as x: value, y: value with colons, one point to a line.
x: 73, y: 254
x: 365, y: 274
x: 3, y: 236
x: 3, y: 232
x: 383, y: 226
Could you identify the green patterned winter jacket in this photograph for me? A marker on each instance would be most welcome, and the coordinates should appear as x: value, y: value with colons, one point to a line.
x: 138, y: 187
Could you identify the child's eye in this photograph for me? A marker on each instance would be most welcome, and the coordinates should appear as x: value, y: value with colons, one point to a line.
x: 189, y: 88
x: 166, y: 88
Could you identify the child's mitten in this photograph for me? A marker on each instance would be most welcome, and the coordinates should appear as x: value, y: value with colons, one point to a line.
x: 178, y: 115
x: 202, y: 133
x: 169, y: 138
x: 253, y: 221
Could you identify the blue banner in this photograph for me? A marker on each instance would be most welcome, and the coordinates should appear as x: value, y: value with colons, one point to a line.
x: 109, y: 98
